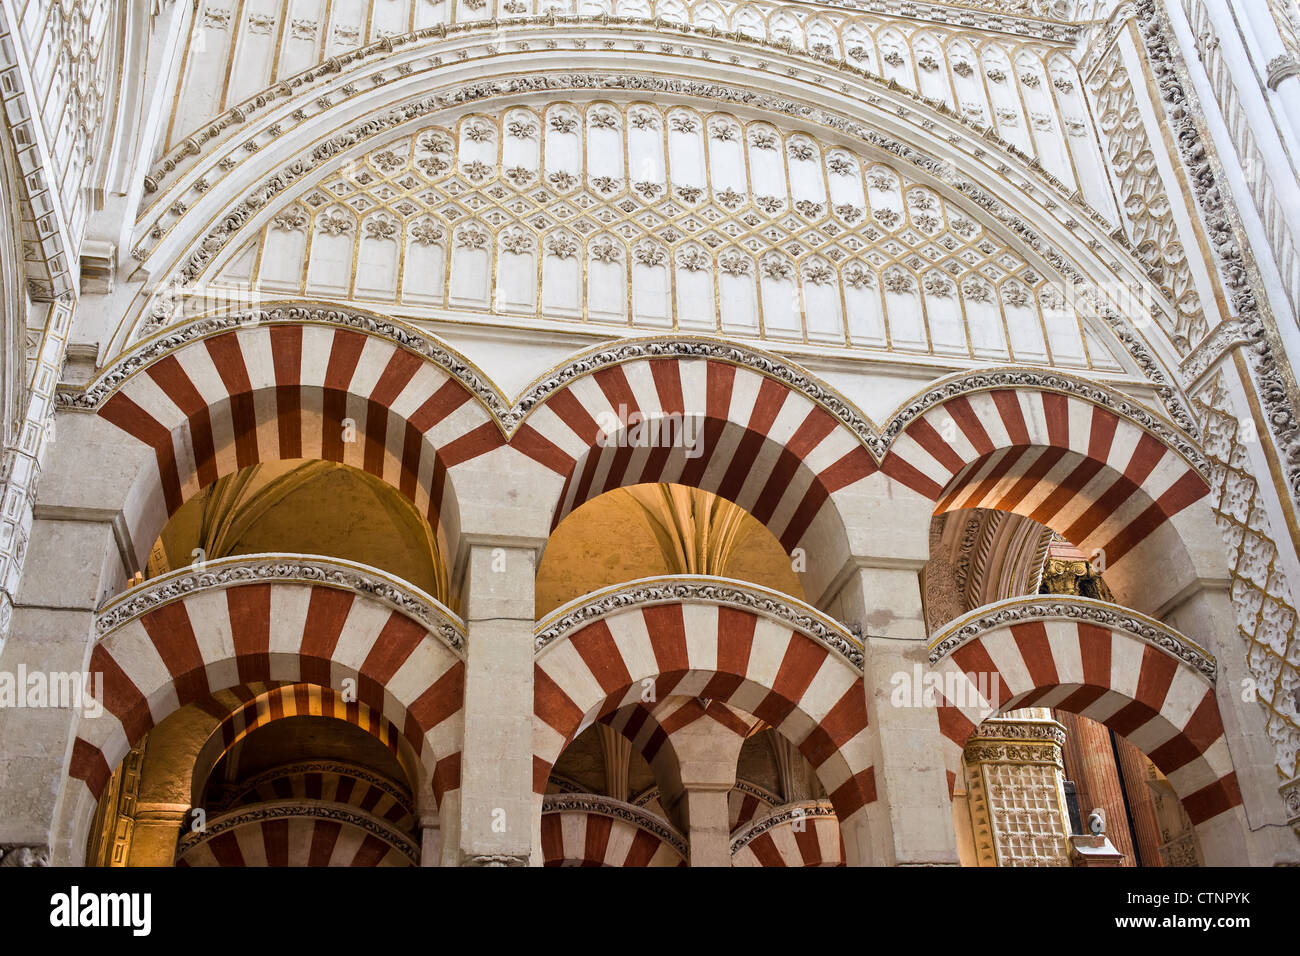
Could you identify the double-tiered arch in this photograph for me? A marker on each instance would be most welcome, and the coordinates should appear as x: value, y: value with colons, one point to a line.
x: 299, y: 381
x: 755, y: 650
x: 1095, y: 467
x: 1140, y: 678
x: 181, y: 638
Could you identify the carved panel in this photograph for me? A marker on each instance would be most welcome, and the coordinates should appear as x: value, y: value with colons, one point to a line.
x: 1147, y: 210
x: 652, y: 217
x: 1261, y: 594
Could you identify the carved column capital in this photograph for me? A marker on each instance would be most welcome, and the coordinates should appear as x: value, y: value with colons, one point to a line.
x: 19, y: 854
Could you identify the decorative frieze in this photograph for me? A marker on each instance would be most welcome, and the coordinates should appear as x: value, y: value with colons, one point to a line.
x: 1273, y: 378
x: 782, y: 815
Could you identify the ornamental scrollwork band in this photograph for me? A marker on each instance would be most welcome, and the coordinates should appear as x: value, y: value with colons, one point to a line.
x: 618, y: 810
x: 369, y: 777
x: 250, y: 569
x: 787, y: 814
x: 309, y: 809
x: 671, y: 590
x: 405, y: 336
x: 1021, y: 610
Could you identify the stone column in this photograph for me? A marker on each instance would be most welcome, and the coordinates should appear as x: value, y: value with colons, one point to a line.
x: 616, y: 751
x: 80, y: 553
x: 1134, y: 768
x: 705, y: 772
x: 1090, y: 763
x: 430, y: 841
x: 880, y: 591
x: 704, y: 806
x: 496, y: 812
x: 53, y: 632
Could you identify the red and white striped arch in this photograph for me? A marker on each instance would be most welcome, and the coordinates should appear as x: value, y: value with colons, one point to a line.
x: 330, y: 782
x: 764, y: 445
x: 216, y: 637
x: 301, y: 700
x: 572, y: 837
x: 744, y: 804
x: 1086, y: 664
x: 650, y: 726
x: 292, y: 840
x: 652, y: 729
x: 285, y: 390
x: 288, y: 700
x: 809, y: 838
x: 1099, y: 479
x: 757, y: 664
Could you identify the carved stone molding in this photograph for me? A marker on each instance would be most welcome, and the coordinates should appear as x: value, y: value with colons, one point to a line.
x: 695, y: 347
x: 1274, y: 380
x: 284, y: 569
x: 1026, y: 752
x: 781, y: 815
x: 310, y: 809
x: 1291, y: 799
x: 510, y: 416
x: 876, y: 440
x: 1043, y: 608
x: 1282, y: 67
x: 411, y: 339
x: 1000, y: 728
x: 964, y: 383
x: 496, y: 859
x: 333, y: 66
x: 672, y: 590
x: 618, y: 810
x: 355, y: 772
x: 760, y: 793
